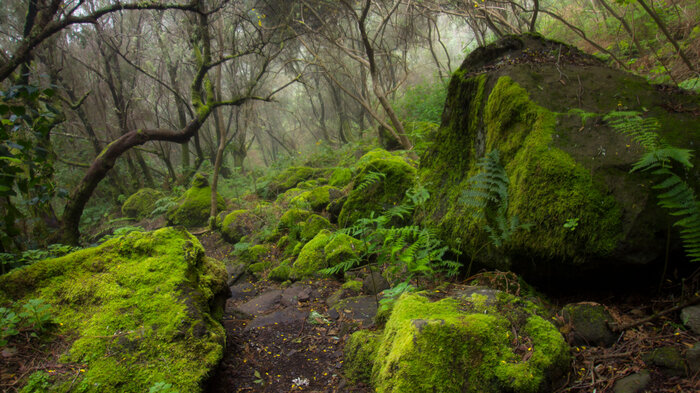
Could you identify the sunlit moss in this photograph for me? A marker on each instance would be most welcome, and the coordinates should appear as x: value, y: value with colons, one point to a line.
x: 138, y: 310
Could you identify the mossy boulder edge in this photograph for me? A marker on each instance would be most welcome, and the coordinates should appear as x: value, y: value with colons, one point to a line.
x: 140, y: 309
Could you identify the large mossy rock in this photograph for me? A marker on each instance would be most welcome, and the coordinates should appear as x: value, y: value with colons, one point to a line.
x: 380, y: 183
x: 141, y: 203
x: 541, y: 103
x: 289, y: 178
x: 465, y: 344
x: 194, y: 206
x: 237, y: 224
x: 137, y: 310
x: 325, y: 250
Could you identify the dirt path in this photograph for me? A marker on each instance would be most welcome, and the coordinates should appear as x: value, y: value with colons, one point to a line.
x: 280, y: 340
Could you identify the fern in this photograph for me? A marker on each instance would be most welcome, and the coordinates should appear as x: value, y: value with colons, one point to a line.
x: 642, y: 130
x: 369, y: 179
x: 405, y: 251
x: 675, y: 194
x: 487, y: 197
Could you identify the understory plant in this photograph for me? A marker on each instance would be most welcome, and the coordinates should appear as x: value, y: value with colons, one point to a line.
x: 487, y: 200
x: 404, y: 250
x: 668, y: 164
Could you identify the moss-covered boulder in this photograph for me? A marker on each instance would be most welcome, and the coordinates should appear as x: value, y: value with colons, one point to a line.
x: 569, y: 172
x: 135, y: 311
x: 289, y: 178
x: 193, y: 207
x: 325, y: 250
x: 312, y: 226
x: 340, y: 177
x: 460, y: 344
x: 141, y: 203
x: 237, y: 224
x: 257, y: 254
x: 316, y: 199
x: 381, y: 183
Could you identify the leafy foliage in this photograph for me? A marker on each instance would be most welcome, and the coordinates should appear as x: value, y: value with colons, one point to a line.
x: 406, y: 251
x: 26, y: 158
x: 37, y: 313
x: 423, y: 102
x: 8, y: 325
x: 487, y: 198
x: 11, y: 261
x: 676, y: 195
x: 369, y: 179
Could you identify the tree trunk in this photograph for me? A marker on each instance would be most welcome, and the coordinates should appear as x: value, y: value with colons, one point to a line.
x: 70, y: 232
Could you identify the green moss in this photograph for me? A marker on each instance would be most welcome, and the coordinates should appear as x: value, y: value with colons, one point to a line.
x: 257, y: 253
x: 194, y: 205
x: 316, y: 199
x: 290, y: 177
x: 287, y: 196
x: 340, y: 177
x: 313, y: 225
x: 323, y: 251
x: 280, y: 273
x: 137, y: 309
x: 547, y: 186
x: 292, y: 218
x: 311, y: 257
x: 141, y: 203
x: 353, y: 285
x: 341, y: 248
x: 438, y: 346
x: 258, y: 267
x: 359, y: 352
x: 236, y: 224
x: 381, y: 195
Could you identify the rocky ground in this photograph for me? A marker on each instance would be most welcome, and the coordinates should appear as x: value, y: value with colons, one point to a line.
x: 288, y: 338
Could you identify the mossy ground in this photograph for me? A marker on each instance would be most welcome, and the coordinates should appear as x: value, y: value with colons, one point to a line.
x: 137, y: 308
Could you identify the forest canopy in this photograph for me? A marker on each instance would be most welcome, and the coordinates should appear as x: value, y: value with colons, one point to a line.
x: 100, y: 99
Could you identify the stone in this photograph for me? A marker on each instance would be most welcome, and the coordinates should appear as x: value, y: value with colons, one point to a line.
x: 668, y: 360
x: 360, y: 309
x: 633, y: 383
x: 563, y: 162
x: 692, y: 358
x: 263, y: 303
x: 374, y: 283
x: 457, y: 345
x: 691, y: 318
x: 280, y: 317
x: 235, y: 272
x: 589, y: 322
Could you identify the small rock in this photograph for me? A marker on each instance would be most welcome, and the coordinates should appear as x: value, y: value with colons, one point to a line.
x: 692, y: 358
x: 243, y: 291
x: 296, y: 293
x: 279, y: 317
x: 633, y: 383
x: 691, y: 318
x: 374, y: 283
x: 262, y: 304
x: 235, y: 272
x: 590, y: 324
x: 668, y: 360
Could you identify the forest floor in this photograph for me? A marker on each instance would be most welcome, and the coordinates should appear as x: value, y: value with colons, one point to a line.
x: 288, y: 340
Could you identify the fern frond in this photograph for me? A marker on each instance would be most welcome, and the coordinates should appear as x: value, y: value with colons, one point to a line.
x: 369, y: 179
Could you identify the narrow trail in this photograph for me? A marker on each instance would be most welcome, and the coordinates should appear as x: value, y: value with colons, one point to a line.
x: 282, y: 339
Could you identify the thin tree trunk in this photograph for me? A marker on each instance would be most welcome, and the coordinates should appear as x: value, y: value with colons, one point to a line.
x: 668, y: 35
